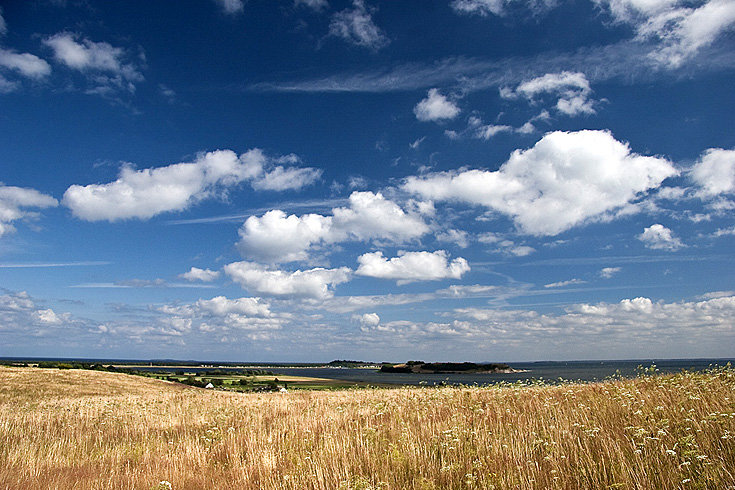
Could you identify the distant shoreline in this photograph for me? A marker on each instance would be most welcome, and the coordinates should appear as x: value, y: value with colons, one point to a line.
x: 420, y: 367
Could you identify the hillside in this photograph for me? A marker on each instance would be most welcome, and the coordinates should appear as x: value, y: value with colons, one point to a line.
x: 42, y: 385
x: 84, y: 430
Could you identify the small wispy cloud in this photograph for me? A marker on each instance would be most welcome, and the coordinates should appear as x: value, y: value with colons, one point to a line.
x: 313, y: 205
x: 140, y: 284
x: 34, y: 265
x: 357, y: 27
x: 231, y: 7
x: 561, y: 284
x: 626, y: 61
x: 608, y: 272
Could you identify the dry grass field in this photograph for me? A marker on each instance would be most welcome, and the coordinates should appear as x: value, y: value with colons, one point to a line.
x: 85, y: 429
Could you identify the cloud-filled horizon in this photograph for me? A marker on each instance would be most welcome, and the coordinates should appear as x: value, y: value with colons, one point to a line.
x: 368, y: 179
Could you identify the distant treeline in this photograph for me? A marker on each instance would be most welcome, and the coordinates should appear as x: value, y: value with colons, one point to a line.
x: 72, y: 365
x: 348, y: 364
x: 230, y: 372
x: 19, y: 361
x: 442, y: 367
x: 95, y: 366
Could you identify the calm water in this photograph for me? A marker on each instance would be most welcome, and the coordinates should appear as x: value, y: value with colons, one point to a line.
x: 548, y: 371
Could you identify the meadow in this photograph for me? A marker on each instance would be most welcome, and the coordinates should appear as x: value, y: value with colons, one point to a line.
x: 75, y: 429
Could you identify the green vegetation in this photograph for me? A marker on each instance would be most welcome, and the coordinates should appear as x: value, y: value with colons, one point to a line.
x: 241, y: 380
x: 352, y: 364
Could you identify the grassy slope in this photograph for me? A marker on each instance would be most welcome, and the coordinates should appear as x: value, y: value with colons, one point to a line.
x: 85, y: 429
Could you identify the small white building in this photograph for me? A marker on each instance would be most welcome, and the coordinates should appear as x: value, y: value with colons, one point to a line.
x: 209, y: 386
x: 283, y: 390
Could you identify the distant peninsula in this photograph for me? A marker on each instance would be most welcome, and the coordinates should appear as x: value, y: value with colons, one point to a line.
x: 421, y: 367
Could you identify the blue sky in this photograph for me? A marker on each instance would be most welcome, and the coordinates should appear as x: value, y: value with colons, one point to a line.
x: 488, y: 180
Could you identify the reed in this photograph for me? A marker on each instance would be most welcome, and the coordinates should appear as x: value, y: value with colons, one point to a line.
x: 77, y: 429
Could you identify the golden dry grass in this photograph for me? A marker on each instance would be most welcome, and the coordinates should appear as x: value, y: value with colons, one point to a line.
x: 86, y: 429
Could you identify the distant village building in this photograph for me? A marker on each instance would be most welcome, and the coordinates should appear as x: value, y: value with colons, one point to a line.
x: 209, y: 386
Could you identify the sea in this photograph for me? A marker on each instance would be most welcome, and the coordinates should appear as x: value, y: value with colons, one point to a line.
x: 547, y: 371
x: 528, y: 372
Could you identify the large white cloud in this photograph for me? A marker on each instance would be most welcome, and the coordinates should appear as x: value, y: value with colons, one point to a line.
x: 565, y: 180
x: 679, y: 27
x: 714, y: 172
x: 145, y: 193
x: 14, y: 202
x: 412, y: 266
x: 313, y: 283
x: 435, y: 107
x: 277, y: 237
x: 356, y: 26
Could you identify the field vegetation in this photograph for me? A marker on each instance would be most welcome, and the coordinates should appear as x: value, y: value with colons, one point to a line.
x: 77, y: 429
x: 232, y: 379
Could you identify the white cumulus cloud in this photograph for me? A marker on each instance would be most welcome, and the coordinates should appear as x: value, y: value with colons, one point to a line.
x: 658, y: 237
x: 14, y: 202
x: 367, y: 320
x: 435, y: 107
x: 356, y: 26
x: 565, y: 180
x: 714, y: 172
x: 412, y: 266
x: 277, y: 237
x: 145, y: 193
x: 315, y: 283
x: 197, y: 274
